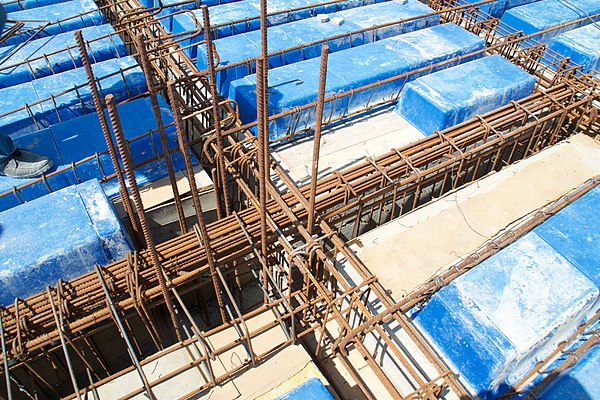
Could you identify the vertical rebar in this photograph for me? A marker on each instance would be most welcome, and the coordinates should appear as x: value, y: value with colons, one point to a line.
x: 63, y: 343
x: 264, y: 76
x: 5, y: 357
x: 215, y: 109
x: 317, y: 137
x: 184, y: 148
x: 106, y: 132
x: 121, y: 328
x: 146, y: 68
x: 129, y: 171
x: 262, y: 185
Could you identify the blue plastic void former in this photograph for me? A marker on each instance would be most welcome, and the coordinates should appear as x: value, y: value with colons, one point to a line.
x: 250, y: 10
x: 534, y: 17
x: 172, y: 6
x: 449, y: 97
x: 498, y: 319
x: 82, y: 137
x: 120, y: 77
x: 244, y: 46
x: 312, y: 389
x: 75, y: 14
x: 581, y: 45
x: 61, y: 235
x: 14, y: 5
x: 98, y: 50
x: 579, y: 382
x: 498, y: 8
x: 296, y: 84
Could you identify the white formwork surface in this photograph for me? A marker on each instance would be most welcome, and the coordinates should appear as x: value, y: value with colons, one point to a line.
x: 269, y: 379
x: 406, y: 252
x: 347, y: 144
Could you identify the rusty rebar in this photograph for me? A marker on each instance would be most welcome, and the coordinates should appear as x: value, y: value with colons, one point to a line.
x: 147, y: 69
x: 185, y: 151
x: 137, y: 199
x: 215, y: 109
x: 5, y: 357
x: 107, y: 136
x: 262, y: 196
x: 317, y: 138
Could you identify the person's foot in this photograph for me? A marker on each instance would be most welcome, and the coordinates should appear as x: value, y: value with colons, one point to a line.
x: 25, y: 164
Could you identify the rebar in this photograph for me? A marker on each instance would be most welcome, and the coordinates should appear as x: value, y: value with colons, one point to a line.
x: 123, y: 193
x: 215, y: 110
x: 137, y: 199
x: 184, y: 148
x: 317, y: 138
x: 146, y: 68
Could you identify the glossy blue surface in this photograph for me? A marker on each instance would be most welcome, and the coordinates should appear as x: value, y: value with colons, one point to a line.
x: 296, y: 84
x: 447, y: 98
x: 59, y: 236
x: 42, y: 63
x: 534, y: 17
x: 497, y: 320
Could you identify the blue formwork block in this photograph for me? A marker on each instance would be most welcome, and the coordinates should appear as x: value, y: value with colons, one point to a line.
x: 40, y: 142
x: 223, y: 14
x: 63, y: 17
x: 296, y: 84
x: 245, y: 46
x: 289, y: 86
x: 18, y: 97
x: 575, y: 233
x: 81, y: 137
x: 19, y: 5
x: 242, y: 16
x: 581, y: 45
x: 59, y: 236
x: 42, y: 63
x: 33, y: 190
x: 579, y: 382
x: 445, y: 98
x: 122, y: 78
x: 391, y: 11
x: 497, y: 320
x: 498, y: 8
x: 534, y: 17
x: 436, y: 44
x: 312, y: 389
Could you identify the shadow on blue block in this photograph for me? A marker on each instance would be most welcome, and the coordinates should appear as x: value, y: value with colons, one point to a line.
x: 579, y: 382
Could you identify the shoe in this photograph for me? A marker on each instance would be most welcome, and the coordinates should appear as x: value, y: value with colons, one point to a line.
x: 25, y: 164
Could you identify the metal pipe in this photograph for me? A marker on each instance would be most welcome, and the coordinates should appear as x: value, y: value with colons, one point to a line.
x: 317, y: 138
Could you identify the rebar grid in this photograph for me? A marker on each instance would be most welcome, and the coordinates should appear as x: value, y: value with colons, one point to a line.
x: 302, y: 285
